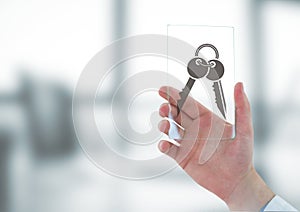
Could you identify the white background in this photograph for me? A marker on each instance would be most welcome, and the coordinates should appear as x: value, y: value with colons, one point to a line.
x: 53, y: 41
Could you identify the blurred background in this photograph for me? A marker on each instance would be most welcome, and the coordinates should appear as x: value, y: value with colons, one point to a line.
x: 44, y: 46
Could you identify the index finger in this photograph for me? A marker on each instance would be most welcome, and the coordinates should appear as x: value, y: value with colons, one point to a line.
x: 191, y: 107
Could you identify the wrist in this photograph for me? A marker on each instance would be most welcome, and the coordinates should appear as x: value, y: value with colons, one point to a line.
x: 251, y: 194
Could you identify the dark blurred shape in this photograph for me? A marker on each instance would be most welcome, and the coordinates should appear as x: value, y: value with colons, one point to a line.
x: 5, y: 145
x: 48, y: 108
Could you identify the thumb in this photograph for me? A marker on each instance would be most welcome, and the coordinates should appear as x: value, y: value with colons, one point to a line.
x: 242, y: 113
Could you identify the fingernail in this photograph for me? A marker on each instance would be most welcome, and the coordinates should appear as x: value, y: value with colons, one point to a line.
x: 163, y: 147
x: 161, y: 112
x: 242, y: 87
x: 162, y: 89
x: 161, y: 126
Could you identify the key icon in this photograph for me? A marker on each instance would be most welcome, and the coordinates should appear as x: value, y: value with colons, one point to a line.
x: 213, y: 70
x: 197, y: 68
x: 215, y: 74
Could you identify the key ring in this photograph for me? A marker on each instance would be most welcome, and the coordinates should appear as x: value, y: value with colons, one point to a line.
x: 211, y: 64
x: 207, y: 45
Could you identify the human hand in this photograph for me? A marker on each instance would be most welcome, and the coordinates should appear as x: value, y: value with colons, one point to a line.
x: 229, y: 173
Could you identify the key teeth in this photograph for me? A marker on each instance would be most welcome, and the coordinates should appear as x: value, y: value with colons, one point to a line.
x: 183, y: 94
x: 218, y: 100
x: 180, y: 101
x: 183, y: 91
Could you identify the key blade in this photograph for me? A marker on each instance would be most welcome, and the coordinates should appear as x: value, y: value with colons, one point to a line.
x: 184, y: 94
x: 219, y: 97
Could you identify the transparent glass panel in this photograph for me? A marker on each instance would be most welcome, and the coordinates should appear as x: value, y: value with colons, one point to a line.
x: 204, y: 64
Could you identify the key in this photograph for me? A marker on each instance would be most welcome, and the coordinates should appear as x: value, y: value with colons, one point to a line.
x: 215, y: 74
x: 197, y: 68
